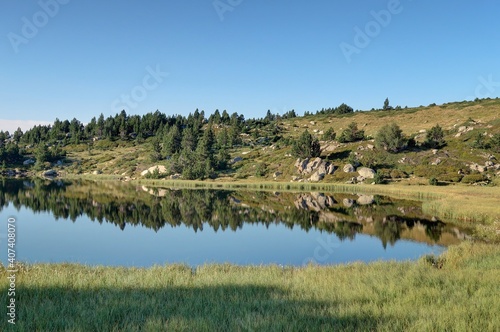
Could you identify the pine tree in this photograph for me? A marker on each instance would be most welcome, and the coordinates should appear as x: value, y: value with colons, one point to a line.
x: 41, y: 155
x: 223, y: 138
x: 306, y: 146
x: 387, y: 107
x: 390, y: 138
x: 329, y: 135
x: 172, y: 141
x: 156, y: 147
x: 189, y: 140
x: 351, y: 134
x: 435, y: 137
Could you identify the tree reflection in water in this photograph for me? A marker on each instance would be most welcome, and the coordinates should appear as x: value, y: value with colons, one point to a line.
x: 124, y: 204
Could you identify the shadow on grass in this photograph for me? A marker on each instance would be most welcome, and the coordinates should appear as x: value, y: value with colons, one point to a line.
x: 215, y: 308
x: 339, y: 155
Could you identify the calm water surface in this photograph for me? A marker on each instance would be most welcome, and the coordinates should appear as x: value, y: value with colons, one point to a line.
x: 123, y: 225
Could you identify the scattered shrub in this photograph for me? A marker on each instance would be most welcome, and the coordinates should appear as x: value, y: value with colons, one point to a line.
x: 450, y: 177
x: 260, y: 170
x: 353, y: 160
x: 479, y: 142
x: 397, y: 174
x: 435, y: 137
x: 495, y: 143
x: 390, y: 138
x: 329, y: 135
x: 351, y: 134
x: 473, y: 178
x: 306, y: 146
x: 378, y: 178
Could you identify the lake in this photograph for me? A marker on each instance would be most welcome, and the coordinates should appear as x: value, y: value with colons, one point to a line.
x: 117, y: 224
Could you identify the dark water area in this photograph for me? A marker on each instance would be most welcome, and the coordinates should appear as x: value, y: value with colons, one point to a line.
x: 117, y: 224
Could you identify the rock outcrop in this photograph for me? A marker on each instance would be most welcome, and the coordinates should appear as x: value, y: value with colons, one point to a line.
x: 235, y: 160
x: 366, y: 172
x: 316, y: 177
x: 161, y: 169
x: 348, y: 168
x: 317, y: 167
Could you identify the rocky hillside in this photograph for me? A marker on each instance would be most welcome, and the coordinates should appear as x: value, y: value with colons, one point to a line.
x: 469, y: 152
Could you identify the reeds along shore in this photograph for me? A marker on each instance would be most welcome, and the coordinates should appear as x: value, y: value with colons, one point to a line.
x: 454, y: 292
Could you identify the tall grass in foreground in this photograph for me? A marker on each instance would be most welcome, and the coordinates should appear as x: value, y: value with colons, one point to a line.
x: 454, y: 292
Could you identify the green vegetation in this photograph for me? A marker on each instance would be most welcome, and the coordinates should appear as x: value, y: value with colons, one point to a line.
x: 454, y: 292
x: 341, y: 109
x: 435, y: 137
x: 351, y: 134
x: 495, y: 143
x: 390, y: 138
x: 386, y: 106
x: 329, y: 135
x: 449, y: 165
x: 228, y: 147
x: 306, y: 146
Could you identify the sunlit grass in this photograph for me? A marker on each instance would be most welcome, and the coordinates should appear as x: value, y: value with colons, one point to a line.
x: 456, y: 292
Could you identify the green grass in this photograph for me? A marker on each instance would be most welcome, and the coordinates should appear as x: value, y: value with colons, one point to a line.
x: 454, y: 292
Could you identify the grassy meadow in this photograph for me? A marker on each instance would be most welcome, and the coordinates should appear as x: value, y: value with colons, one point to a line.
x: 457, y: 291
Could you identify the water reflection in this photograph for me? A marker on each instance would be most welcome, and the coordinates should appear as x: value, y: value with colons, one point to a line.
x: 344, y: 215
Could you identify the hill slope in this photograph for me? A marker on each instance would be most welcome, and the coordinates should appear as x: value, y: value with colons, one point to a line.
x: 265, y: 151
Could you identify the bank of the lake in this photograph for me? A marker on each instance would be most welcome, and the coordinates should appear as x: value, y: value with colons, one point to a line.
x: 457, y: 291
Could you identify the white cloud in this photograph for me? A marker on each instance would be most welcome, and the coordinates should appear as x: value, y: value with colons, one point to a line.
x: 12, y: 125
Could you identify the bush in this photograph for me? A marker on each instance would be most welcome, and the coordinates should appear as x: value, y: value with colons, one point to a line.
x: 397, y: 174
x: 390, y: 138
x: 441, y: 172
x: 450, y: 177
x: 261, y: 170
x: 433, y: 181
x: 473, y: 178
x: 329, y: 135
x: 353, y: 160
x: 351, y: 134
x: 306, y: 146
x: 384, y: 172
x: 378, y: 178
x: 479, y: 142
x: 155, y: 174
x: 435, y: 137
x: 495, y: 143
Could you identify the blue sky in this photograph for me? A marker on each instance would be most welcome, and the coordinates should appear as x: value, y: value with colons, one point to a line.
x: 243, y: 56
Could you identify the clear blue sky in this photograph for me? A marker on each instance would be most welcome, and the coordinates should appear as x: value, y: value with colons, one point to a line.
x: 261, y: 55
